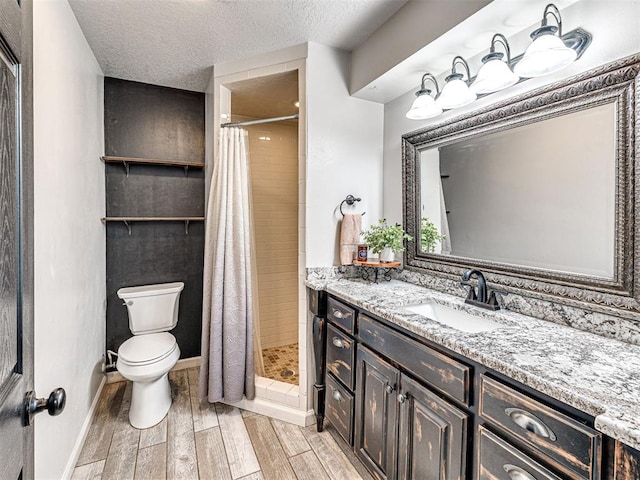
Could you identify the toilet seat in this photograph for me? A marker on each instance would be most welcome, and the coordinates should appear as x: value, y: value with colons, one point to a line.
x: 143, y: 350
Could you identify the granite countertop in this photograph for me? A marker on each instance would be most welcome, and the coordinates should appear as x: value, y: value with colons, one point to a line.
x: 594, y: 374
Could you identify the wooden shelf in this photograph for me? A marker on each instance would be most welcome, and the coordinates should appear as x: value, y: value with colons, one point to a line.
x: 126, y: 161
x: 377, y: 264
x: 151, y: 219
x: 127, y: 220
x: 377, y: 267
x: 151, y: 161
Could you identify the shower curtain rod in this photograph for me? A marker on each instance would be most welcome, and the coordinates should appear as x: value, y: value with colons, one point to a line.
x: 256, y: 122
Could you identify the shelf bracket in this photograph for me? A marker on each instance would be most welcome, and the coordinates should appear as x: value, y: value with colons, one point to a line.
x: 128, y: 225
x: 186, y: 170
x: 186, y: 225
x: 126, y: 169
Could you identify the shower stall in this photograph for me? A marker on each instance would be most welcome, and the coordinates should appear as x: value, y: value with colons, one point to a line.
x: 267, y: 107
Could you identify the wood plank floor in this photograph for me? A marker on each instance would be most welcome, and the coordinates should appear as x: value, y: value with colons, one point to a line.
x: 216, y: 442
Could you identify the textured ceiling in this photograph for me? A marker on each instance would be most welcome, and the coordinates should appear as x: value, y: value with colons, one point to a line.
x: 175, y: 42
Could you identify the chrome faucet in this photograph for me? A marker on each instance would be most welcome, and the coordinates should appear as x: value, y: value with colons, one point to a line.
x: 479, y: 299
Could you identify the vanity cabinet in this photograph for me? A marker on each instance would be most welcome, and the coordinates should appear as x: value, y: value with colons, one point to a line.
x: 413, y: 410
x: 499, y: 460
x: 403, y: 429
x: 376, y: 413
x: 340, y: 368
x: 432, y: 442
x: 570, y: 446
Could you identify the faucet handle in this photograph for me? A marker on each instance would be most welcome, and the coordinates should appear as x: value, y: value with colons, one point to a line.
x: 492, y: 298
x: 472, y: 291
x: 492, y: 302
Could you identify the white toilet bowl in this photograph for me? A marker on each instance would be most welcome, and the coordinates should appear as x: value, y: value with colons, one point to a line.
x: 146, y: 361
x: 147, y: 357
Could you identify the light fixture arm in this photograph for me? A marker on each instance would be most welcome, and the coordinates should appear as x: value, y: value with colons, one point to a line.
x: 499, y: 38
x: 460, y: 61
x: 552, y: 10
x: 423, y: 88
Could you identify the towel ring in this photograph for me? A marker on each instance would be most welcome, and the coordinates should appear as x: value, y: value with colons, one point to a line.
x: 350, y: 200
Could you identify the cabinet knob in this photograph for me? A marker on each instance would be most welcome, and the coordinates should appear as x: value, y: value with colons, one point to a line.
x: 401, y: 398
x: 338, y: 314
x: 338, y: 342
x: 517, y: 473
x: 337, y: 396
x: 531, y: 423
x: 389, y: 388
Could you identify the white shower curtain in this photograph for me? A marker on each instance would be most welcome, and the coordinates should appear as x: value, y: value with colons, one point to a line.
x: 228, y: 351
x: 445, y: 244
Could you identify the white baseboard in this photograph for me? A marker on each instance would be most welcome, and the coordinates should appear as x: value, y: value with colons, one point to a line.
x: 275, y: 410
x: 77, y: 448
x: 113, y: 377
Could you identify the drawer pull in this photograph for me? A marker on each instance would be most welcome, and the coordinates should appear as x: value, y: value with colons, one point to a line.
x: 338, y: 313
x: 338, y: 342
x: 389, y: 388
x: 530, y: 422
x: 516, y: 473
x: 337, y: 396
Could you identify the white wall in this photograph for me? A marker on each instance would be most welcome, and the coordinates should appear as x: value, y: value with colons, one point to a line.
x: 69, y: 237
x: 416, y: 24
x: 344, y: 152
x: 615, y: 35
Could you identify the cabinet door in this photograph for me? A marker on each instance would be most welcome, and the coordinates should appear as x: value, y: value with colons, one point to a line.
x: 376, y: 414
x: 433, y: 435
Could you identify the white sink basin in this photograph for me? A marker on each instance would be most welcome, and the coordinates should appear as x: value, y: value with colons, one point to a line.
x: 451, y: 317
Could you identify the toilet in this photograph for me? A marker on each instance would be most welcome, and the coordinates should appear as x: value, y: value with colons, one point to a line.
x: 147, y: 357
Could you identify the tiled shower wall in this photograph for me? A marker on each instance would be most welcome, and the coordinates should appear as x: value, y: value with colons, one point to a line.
x: 273, y: 150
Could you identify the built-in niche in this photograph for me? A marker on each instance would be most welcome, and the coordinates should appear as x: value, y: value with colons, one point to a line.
x: 154, y: 179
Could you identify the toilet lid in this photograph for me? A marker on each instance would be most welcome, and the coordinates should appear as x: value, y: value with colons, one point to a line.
x: 145, y: 349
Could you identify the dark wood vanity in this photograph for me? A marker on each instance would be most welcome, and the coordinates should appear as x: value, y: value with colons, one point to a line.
x: 413, y: 409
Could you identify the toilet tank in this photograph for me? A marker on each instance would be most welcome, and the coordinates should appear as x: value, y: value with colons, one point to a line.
x: 152, y: 308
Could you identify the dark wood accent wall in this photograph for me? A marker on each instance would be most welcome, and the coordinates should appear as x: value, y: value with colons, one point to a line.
x: 148, y: 121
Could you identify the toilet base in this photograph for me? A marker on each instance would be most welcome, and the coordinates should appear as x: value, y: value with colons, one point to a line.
x: 150, y: 402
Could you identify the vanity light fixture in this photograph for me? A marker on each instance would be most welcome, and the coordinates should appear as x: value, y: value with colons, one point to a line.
x: 456, y: 92
x: 548, y: 53
x: 424, y: 106
x: 495, y: 74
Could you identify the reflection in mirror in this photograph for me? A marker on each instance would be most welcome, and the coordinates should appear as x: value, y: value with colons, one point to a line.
x: 541, y: 192
x: 542, y: 195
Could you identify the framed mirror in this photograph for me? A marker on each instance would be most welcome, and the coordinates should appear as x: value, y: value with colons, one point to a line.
x: 538, y: 191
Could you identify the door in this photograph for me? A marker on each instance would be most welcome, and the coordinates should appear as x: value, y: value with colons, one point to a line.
x: 376, y: 412
x: 433, y: 435
x: 16, y: 237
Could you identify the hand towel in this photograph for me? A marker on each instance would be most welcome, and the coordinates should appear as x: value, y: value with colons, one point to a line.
x: 349, y: 237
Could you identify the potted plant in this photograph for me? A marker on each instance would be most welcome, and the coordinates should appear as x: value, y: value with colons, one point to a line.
x: 429, y: 235
x: 386, y: 240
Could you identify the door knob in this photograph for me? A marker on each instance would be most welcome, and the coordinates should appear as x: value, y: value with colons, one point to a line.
x: 54, y: 404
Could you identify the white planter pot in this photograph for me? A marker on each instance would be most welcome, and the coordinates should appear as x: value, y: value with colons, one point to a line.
x: 387, y: 255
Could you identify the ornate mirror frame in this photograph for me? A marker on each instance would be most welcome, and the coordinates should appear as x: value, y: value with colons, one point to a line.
x: 616, y: 82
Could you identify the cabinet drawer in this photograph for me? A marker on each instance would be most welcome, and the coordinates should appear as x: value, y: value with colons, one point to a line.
x: 340, y: 408
x: 441, y: 372
x: 570, y: 445
x: 497, y: 460
x: 341, y: 314
x: 341, y: 353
